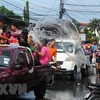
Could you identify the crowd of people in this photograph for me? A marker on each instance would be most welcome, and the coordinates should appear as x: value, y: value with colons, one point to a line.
x: 94, y: 55
x: 44, y: 51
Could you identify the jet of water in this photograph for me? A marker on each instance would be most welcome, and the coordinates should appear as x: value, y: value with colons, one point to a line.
x: 61, y: 29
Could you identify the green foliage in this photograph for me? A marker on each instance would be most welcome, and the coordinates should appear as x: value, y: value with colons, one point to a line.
x: 86, y: 30
x: 92, y: 27
x: 89, y: 34
x: 94, y: 24
x: 97, y: 38
x: 9, y: 13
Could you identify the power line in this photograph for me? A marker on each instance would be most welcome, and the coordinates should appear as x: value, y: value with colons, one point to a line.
x: 34, y: 7
x: 11, y: 4
x: 82, y: 5
x: 85, y: 13
x: 31, y: 7
x: 52, y: 6
x: 81, y: 10
x: 77, y: 18
x: 39, y: 6
x: 22, y: 9
x: 68, y: 15
x: 78, y: 7
x: 72, y: 17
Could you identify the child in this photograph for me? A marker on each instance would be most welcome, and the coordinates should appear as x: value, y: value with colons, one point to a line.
x: 89, y: 51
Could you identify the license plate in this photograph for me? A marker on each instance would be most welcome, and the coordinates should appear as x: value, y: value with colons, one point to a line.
x: 87, y: 95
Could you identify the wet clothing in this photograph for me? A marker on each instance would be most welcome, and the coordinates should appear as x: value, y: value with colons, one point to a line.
x: 90, y: 53
x: 7, y: 35
x: 16, y: 35
x: 53, y: 52
x: 97, y: 53
x: 98, y: 60
x: 17, y: 32
x: 23, y: 43
x: 94, y: 47
x: 45, y: 59
x: 39, y: 60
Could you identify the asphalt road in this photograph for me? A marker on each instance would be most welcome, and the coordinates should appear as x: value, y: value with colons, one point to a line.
x: 64, y: 89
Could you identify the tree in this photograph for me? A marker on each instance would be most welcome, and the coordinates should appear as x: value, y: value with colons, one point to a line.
x: 9, y: 13
x: 93, y: 25
x: 93, y: 29
x: 26, y: 12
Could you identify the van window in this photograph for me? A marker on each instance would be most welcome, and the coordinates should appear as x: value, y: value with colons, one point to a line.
x: 29, y: 59
x: 68, y: 46
x: 5, y: 58
x: 20, y: 59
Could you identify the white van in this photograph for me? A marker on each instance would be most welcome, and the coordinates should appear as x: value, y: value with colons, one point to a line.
x: 73, y: 61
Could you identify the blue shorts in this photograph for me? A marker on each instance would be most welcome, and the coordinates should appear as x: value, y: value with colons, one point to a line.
x: 97, y: 60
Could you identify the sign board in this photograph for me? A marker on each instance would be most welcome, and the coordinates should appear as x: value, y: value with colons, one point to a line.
x: 82, y: 37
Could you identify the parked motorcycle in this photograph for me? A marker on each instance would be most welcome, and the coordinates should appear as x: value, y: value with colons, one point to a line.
x: 94, y: 93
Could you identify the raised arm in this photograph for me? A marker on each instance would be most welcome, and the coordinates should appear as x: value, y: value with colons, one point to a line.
x: 1, y: 36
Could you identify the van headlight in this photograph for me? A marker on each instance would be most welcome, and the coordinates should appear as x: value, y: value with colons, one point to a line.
x: 69, y: 59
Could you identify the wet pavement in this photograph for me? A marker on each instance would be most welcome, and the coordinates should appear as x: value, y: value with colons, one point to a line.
x: 65, y: 89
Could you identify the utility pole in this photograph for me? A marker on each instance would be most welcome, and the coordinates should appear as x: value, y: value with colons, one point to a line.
x: 61, y: 9
x: 26, y: 12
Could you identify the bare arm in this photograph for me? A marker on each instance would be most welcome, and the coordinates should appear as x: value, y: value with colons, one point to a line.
x: 55, y: 55
x: 36, y: 44
x: 40, y: 54
x: 29, y: 40
x: 1, y: 36
x: 54, y: 58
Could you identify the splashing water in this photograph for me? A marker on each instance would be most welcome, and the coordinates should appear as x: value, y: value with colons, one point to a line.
x: 55, y: 29
x: 59, y: 30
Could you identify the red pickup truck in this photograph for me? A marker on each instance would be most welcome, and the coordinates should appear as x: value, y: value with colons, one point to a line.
x: 17, y: 66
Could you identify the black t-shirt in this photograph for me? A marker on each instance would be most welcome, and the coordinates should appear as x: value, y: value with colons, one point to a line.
x: 23, y: 43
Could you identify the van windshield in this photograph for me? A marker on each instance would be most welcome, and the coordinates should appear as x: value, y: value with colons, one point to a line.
x: 5, y: 57
x: 67, y: 45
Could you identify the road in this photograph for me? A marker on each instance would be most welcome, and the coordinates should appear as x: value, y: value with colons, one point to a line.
x: 65, y: 89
